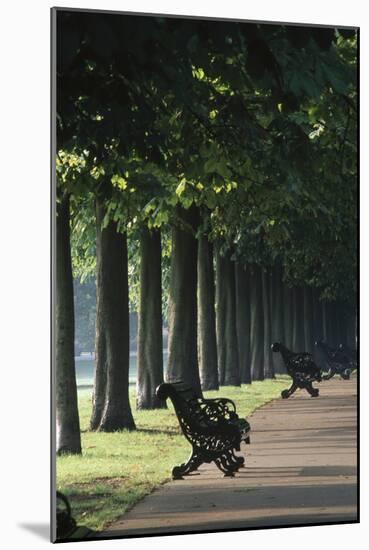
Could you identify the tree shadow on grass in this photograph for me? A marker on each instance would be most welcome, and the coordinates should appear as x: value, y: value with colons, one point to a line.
x: 150, y: 431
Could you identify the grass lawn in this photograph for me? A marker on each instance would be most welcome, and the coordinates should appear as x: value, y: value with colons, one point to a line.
x: 118, y: 469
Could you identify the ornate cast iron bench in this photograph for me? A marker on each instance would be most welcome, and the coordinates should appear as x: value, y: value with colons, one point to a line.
x: 351, y: 355
x: 211, y: 426
x: 339, y: 360
x: 301, y: 368
x: 66, y: 527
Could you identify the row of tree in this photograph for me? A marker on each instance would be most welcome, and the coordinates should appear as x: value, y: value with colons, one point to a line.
x: 192, y: 144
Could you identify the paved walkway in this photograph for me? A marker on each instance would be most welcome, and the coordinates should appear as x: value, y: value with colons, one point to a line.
x: 300, y: 468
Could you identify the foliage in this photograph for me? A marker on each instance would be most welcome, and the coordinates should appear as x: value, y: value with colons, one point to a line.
x: 255, y: 124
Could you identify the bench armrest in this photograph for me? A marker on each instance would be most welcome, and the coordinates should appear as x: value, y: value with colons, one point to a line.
x: 219, y: 407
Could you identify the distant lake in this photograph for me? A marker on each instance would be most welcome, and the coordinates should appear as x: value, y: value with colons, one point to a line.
x: 85, y: 367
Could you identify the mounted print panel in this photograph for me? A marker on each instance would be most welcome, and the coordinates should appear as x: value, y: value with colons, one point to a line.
x: 204, y: 202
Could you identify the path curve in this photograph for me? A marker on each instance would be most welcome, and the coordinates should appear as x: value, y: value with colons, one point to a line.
x: 300, y: 469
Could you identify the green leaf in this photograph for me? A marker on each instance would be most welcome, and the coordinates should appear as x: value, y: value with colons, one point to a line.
x: 181, y: 187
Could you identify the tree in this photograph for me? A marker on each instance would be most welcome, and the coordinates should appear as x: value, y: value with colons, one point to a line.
x: 150, y: 337
x: 257, y: 324
x: 288, y: 315
x: 279, y: 314
x: 267, y: 318
x: 182, y: 341
x: 67, y: 419
x: 111, y: 408
x: 207, y: 343
x: 308, y: 320
x: 228, y: 360
x: 243, y: 321
x: 298, y: 337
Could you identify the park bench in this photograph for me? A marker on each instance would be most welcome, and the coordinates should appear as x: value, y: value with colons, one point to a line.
x: 339, y: 360
x: 351, y: 355
x: 301, y: 368
x: 66, y: 527
x: 211, y: 426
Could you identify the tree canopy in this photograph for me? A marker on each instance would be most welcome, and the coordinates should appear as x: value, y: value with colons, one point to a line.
x: 253, y: 123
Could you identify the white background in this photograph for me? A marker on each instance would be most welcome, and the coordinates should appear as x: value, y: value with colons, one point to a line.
x: 24, y: 271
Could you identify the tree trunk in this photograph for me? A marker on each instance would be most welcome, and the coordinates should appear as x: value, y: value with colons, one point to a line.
x: 308, y: 320
x: 298, y: 342
x: 317, y: 317
x: 229, y: 371
x: 288, y: 315
x: 325, y: 321
x: 278, y: 311
x: 182, y: 340
x: 343, y: 321
x: 351, y: 329
x: 111, y: 407
x: 150, y: 323
x: 208, y: 362
x: 318, y: 333
x: 334, y: 326
x: 220, y: 310
x: 338, y: 322
x: 67, y: 419
x: 268, y: 354
x: 331, y: 324
x: 256, y: 324
x: 243, y: 321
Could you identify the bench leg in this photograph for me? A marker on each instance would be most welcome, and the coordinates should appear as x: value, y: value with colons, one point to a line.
x: 237, y: 461
x: 224, y: 468
x: 184, y: 469
x: 329, y: 374
x: 228, y: 463
x: 287, y: 393
x: 314, y: 392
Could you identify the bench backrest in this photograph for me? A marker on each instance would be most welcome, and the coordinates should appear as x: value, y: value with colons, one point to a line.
x: 177, y: 390
x: 186, y: 405
x: 297, y: 362
x: 350, y: 353
x: 335, y: 355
